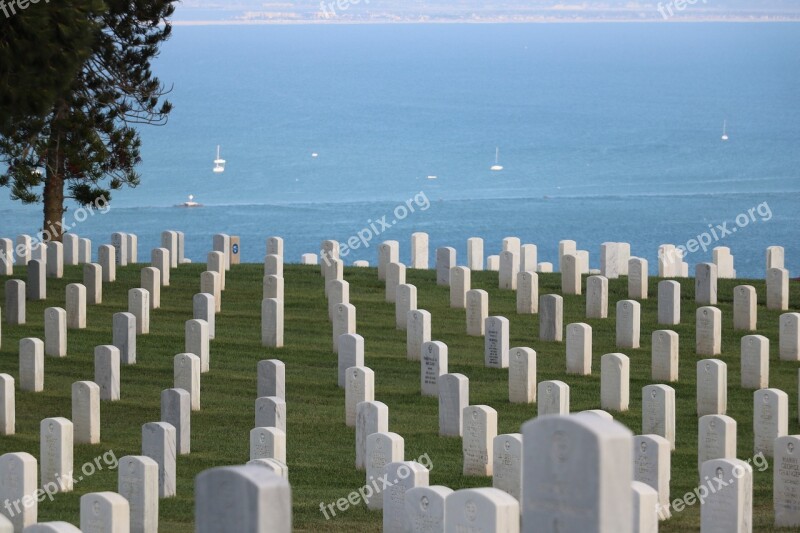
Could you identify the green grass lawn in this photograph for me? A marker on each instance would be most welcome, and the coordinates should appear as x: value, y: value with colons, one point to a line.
x: 320, y: 447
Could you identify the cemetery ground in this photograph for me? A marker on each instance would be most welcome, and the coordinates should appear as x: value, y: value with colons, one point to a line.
x: 320, y: 448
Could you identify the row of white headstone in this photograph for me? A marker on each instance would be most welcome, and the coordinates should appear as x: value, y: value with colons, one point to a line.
x: 142, y: 479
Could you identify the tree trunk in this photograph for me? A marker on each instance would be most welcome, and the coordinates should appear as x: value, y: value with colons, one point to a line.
x: 54, y: 185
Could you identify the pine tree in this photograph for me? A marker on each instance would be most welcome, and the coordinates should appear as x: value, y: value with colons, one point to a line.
x: 85, y: 145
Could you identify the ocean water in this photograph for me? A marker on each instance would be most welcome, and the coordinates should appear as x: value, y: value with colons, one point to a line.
x: 608, y: 132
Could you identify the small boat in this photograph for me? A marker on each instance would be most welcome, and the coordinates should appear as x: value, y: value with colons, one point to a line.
x: 190, y: 203
x: 725, y: 130
x: 497, y: 167
x: 433, y: 177
x: 315, y: 155
x: 219, y: 163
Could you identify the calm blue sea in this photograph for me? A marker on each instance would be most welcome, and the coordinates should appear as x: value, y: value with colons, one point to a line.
x: 608, y: 132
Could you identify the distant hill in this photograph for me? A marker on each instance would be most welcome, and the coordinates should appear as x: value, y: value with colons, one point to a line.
x: 365, y: 11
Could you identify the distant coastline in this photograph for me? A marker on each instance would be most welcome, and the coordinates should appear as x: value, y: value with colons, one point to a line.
x: 346, y: 22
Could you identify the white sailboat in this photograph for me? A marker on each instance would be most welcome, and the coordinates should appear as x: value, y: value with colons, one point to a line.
x: 497, y: 167
x: 725, y: 130
x: 219, y: 163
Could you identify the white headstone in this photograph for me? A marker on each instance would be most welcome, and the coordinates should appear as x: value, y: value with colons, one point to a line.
x: 76, y: 306
x: 176, y: 409
x: 786, y: 499
x: 309, y: 259
x: 745, y: 313
x: 551, y: 317
x: 31, y: 365
x: 724, y: 261
x: 664, y: 364
x: 553, y: 398
x: 19, y: 484
x: 139, y: 307
x: 716, y: 438
x: 137, y: 482
x: 351, y: 353
x: 271, y: 413
x: 712, y: 387
x: 160, y: 260
x: 789, y: 337
x: 275, y: 246
x: 267, y: 443
x: 658, y: 412
x: 615, y: 382
x: 15, y: 308
x: 522, y: 375
x: 479, y: 426
x: 637, y: 279
x: 388, y: 252
x: 107, y: 258
x: 475, y: 254
x: 565, y: 247
x: 133, y: 248
x: 86, y: 412
x: 708, y: 336
x: 222, y: 243
x: 279, y: 468
x: 359, y: 387
x: 481, y: 509
x: 730, y: 508
x: 383, y: 448
x: 509, y: 268
x: 197, y: 342
x: 609, y: 260
x: 124, y: 337
x: 159, y: 441
x: 186, y: 376
x: 344, y: 321
x: 85, y: 251
x: 210, y: 284
x: 778, y: 289
x: 55, y: 260
x: 409, y: 474
x: 106, y: 372
x: 272, y: 327
x: 338, y: 292
x: 120, y: 243
x: 770, y: 419
x: 528, y: 258
x: 419, y: 250
x: 669, y: 302
x: 527, y: 293
x: 453, y: 398
x: 645, y: 508
x: 258, y: 500
x: 477, y: 311
x: 705, y: 284
x: 460, y: 284
x: 597, y: 297
x: 628, y: 323
x: 507, y: 464
x: 432, y: 365
x: 570, y: 275
x: 56, y: 454
x: 579, y: 349
x: 570, y: 459
x: 395, y: 276
x: 55, y: 332
x: 425, y: 507
x: 652, y: 466
x: 37, y: 282
x: 755, y: 362
x: 405, y: 301
x: 493, y: 263
x: 23, y: 249
x: 71, y: 243
x: 7, y: 405
x: 271, y: 378
x: 203, y: 308
x: 418, y: 332
x: 371, y: 417
x: 445, y: 260
x: 496, y: 342
x: 93, y: 281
